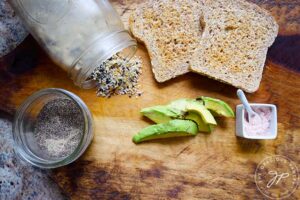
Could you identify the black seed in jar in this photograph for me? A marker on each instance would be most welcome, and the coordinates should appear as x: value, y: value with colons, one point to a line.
x: 59, y: 127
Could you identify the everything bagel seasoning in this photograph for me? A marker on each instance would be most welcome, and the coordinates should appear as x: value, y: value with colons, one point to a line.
x: 118, y: 76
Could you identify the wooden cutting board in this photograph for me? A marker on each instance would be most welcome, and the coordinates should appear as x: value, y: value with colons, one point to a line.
x: 209, y: 166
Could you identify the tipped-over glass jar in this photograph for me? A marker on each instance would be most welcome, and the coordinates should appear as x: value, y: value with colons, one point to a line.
x: 78, y: 35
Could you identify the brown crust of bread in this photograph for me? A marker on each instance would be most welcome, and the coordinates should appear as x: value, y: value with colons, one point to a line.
x: 238, y: 74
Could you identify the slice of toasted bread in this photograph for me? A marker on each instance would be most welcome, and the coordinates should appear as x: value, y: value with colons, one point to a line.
x: 234, y: 42
x: 170, y: 30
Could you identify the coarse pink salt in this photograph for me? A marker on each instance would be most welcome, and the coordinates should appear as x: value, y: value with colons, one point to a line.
x: 259, y: 126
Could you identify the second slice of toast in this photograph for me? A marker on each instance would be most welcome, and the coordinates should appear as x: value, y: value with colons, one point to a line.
x: 234, y: 43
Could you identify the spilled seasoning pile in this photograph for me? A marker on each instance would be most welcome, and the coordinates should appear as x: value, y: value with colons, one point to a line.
x: 118, y: 76
x: 59, y: 127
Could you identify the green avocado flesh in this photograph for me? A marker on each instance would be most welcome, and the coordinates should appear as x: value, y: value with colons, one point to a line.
x: 180, y: 104
x: 183, y: 117
x: 173, y: 128
x: 187, y: 105
x: 202, y: 126
x: 161, y: 114
x: 177, y: 109
x: 217, y: 107
x: 202, y: 111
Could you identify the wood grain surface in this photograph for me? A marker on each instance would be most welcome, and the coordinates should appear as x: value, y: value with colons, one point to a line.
x: 209, y: 166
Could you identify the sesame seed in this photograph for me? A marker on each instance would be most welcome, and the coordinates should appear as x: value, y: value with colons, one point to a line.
x: 118, y: 76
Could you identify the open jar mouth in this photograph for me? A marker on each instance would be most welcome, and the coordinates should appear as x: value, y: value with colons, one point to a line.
x: 24, y: 123
x: 103, y: 48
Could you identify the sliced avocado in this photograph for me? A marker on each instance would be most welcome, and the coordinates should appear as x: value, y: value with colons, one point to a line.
x: 202, y: 126
x: 173, y: 128
x: 186, y: 105
x: 180, y: 104
x: 161, y: 114
x: 218, y: 107
x: 197, y: 107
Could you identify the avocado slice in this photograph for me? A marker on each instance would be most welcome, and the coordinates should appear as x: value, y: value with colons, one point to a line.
x: 180, y: 104
x: 165, y: 113
x: 202, y: 126
x: 173, y: 128
x: 218, y: 107
x: 197, y: 107
x: 161, y: 114
x: 186, y: 105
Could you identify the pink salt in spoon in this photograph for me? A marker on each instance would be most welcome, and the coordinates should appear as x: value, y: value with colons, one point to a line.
x: 253, y: 117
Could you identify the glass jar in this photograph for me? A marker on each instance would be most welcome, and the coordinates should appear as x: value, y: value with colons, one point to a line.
x: 77, y: 34
x: 26, y: 117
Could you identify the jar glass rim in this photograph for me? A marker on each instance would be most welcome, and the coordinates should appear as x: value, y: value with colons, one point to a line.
x: 113, y: 43
x: 84, y: 140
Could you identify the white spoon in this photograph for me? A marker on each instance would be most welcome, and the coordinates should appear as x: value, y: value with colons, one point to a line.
x: 253, y: 117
